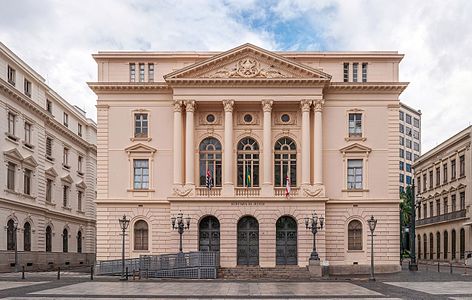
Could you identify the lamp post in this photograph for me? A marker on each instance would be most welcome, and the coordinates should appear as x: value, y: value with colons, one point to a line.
x: 180, y: 224
x: 124, y: 222
x: 312, y: 224
x: 413, y: 266
x: 372, y: 223
x: 15, y: 230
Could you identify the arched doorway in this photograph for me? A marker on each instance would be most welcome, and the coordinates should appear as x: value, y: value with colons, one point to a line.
x: 286, y: 241
x: 209, y: 234
x: 248, y: 241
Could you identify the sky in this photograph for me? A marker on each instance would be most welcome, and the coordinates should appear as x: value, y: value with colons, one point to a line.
x: 57, y: 38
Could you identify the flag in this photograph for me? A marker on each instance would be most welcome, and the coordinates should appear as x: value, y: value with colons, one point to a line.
x: 248, y: 177
x: 287, y: 187
x: 209, y: 180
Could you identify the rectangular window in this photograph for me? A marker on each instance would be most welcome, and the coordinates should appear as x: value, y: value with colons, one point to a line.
x: 11, y: 123
x: 79, y: 200
x: 141, y: 72
x: 424, y: 182
x: 27, y: 134
x: 402, y: 178
x: 355, y: 125
x: 141, y: 174
x: 354, y: 174
x: 408, y: 167
x: 27, y: 87
x: 402, y: 141
x: 445, y: 206
x: 408, y: 155
x: 402, y: 153
x: 453, y: 202
x: 453, y: 169
x: 416, y: 146
x: 132, y: 72
x: 408, y: 118
x: 408, y: 143
x: 431, y: 209
x: 430, y: 179
x: 419, y: 212
x: 354, y: 71
x: 408, y: 131
x: 419, y: 183
x: 438, y: 176
x: 445, y: 173
x: 150, y: 72
x: 79, y: 130
x: 438, y: 207
x: 11, y: 75
x: 27, y: 182
x: 402, y: 116
x: 65, y: 158
x: 461, y: 165
x: 408, y: 179
x: 49, y: 190
x: 415, y: 157
x: 416, y: 134
x: 49, y: 148
x: 425, y: 210
x: 11, y: 176
x: 364, y: 72
x: 402, y: 189
x: 416, y: 122
x: 462, y: 200
x: 401, y: 165
x: 49, y: 106
x: 66, y: 120
x: 141, y: 125
x: 79, y: 164
x: 402, y: 128
x: 346, y: 72
x: 65, y: 196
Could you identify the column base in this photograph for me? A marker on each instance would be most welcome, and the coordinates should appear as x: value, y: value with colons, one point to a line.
x: 315, y: 268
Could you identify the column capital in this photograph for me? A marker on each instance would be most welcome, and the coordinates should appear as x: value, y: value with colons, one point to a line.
x: 178, y: 106
x: 267, y: 105
x: 228, y: 105
x: 305, y: 104
x: 190, y: 105
x: 318, y: 104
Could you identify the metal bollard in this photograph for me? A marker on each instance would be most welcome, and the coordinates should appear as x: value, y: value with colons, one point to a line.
x: 91, y: 272
x: 23, y: 272
x: 126, y: 273
x: 139, y: 274
x: 438, y: 268
x: 450, y: 265
x: 58, y: 273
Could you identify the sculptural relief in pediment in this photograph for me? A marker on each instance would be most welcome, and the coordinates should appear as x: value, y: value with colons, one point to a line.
x: 248, y: 67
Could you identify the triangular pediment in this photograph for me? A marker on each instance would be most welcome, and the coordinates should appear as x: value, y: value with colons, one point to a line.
x: 140, y: 148
x: 247, y: 62
x: 81, y: 185
x: 30, y: 161
x: 13, y: 154
x: 67, y: 179
x: 51, y: 172
x: 355, y: 148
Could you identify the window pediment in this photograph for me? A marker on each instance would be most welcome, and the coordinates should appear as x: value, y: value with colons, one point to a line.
x: 67, y: 179
x: 356, y: 148
x: 51, y: 172
x: 30, y: 161
x: 13, y: 154
x: 140, y: 148
x: 81, y: 185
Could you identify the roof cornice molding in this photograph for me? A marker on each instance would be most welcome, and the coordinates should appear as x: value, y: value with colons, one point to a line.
x: 363, y: 87
x: 117, y: 87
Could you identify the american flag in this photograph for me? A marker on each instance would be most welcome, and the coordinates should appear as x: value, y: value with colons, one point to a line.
x: 287, y: 187
x: 209, y: 180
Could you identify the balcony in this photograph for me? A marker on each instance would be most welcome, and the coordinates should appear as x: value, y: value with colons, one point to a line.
x: 280, y: 192
x: 442, y: 218
x: 247, y: 192
x: 205, y: 192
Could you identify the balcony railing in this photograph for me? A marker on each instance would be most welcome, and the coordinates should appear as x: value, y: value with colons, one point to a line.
x: 442, y: 218
x: 205, y: 192
x: 280, y: 192
x: 247, y: 192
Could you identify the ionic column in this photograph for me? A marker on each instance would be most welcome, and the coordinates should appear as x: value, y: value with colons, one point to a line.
x: 189, y: 143
x: 177, y: 143
x: 228, y: 144
x: 305, y: 107
x: 318, y: 140
x: 267, y: 142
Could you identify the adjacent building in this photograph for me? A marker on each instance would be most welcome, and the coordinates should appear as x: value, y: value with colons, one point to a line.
x: 248, y: 121
x: 410, y: 143
x: 443, y: 189
x: 48, y: 177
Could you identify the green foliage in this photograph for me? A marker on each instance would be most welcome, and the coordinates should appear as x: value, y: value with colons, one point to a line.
x: 405, y: 206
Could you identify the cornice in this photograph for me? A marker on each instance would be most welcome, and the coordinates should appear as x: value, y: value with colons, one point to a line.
x: 117, y: 87
x: 362, y: 87
x: 248, y: 82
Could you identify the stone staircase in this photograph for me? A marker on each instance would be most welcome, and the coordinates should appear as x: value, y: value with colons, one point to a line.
x: 256, y: 272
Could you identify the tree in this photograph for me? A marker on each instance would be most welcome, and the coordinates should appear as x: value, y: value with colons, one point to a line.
x: 405, y: 206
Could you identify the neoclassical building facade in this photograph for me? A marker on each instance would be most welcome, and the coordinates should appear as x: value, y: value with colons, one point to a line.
x: 248, y: 120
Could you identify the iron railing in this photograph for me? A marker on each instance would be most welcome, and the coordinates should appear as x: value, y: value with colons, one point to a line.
x: 441, y: 218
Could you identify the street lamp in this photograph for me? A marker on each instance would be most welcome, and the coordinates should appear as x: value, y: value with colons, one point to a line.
x: 312, y: 224
x: 181, y: 224
x: 372, y: 223
x: 15, y: 237
x: 124, y: 223
x: 415, y: 202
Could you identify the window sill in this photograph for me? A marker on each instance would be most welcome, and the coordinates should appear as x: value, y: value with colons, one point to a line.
x: 355, y: 190
x: 11, y: 82
x: 80, y: 212
x: 28, y: 147
x: 66, y: 167
x: 11, y: 138
x: 50, y: 159
x: 141, y: 251
x: 138, y: 190
x: 29, y: 196
x: 67, y: 208
x: 50, y: 204
x: 9, y: 191
x: 142, y: 139
x: 80, y: 174
x: 355, y: 251
x: 355, y: 138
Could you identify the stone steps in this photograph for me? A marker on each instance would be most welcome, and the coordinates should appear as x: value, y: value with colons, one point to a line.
x: 277, y: 273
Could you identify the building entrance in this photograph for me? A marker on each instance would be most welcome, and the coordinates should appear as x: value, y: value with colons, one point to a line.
x: 286, y: 241
x: 248, y: 241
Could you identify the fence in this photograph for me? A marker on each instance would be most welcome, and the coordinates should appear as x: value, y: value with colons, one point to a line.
x: 191, y: 265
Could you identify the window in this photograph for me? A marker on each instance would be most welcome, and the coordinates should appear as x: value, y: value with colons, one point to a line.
x: 416, y: 122
x: 430, y: 179
x: 402, y: 153
x: 438, y: 207
x: 140, y: 235
x: 402, y: 116
x: 425, y: 210
x: 27, y: 182
x: 27, y: 237
x: 438, y: 245
x: 346, y: 72
x: 65, y: 158
x: 49, y: 148
x: 416, y: 134
x: 438, y: 176
x: 141, y: 125
x: 408, y: 119
x: 445, y: 173
x: 49, y: 106
x: 419, y: 246
x: 419, y: 183
x: 453, y: 169
x: 248, y: 162
x: 408, y: 143
x: 65, y: 241
x: 354, y: 71
x: 141, y: 174
x: 408, y: 131
x: 401, y: 165
x: 424, y: 182
x: 445, y: 205
x: 11, y: 124
x: 425, y: 246
x: 11, y: 235
x: 453, y: 202
x: 27, y: 87
x: 150, y: 72
x: 141, y: 72
x: 79, y: 242
x: 402, y: 141
x: 79, y: 200
x: 431, y: 245
x: 431, y: 209
x: 416, y: 146
x: 355, y: 125
x: 402, y: 189
x: 461, y: 165
x: 65, y: 196
x: 354, y: 233
x: 27, y: 134
x: 415, y: 157
x: 446, y: 241
x: 453, y: 244
x: 408, y: 167
x: 354, y: 174
x: 132, y: 72
x: 285, y: 160
x: 66, y: 119
x: 49, y: 190
x: 210, y: 161
x: 408, y: 179
x: 364, y: 72
x: 419, y: 212
x: 408, y: 155
x: 48, y: 239
x: 11, y: 176
x: 80, y: 160
x: 79, y: 130
x: 462, y: 200
x: 462, y: 243
x: 11, y: 75
x: 402, y: 128
x: 402, y: 178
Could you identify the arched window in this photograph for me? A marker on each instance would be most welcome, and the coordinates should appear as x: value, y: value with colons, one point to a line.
x: 285, y: 162
x: 210, y: 160
x: 419, y: 246
x: 446, y: 244
x: 462, y: 243
x: 65, y: 240
x: 425, y: 246
x: 453, y: 245
x: 438, y: 245
x: 11, y: 235
x: 140, y: 235
x: 354, y: 235
x: 248, y: 163
x: 431, y: 245
x: 48, y: 239
x: 27, y: 237
x: 209, y: 234
x: 79, y: 242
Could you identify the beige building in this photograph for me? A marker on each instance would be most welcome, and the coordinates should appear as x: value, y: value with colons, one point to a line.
x: 443, y: 189
x: 49, y: 172
x: 327, y: 121
x: 410, y: 143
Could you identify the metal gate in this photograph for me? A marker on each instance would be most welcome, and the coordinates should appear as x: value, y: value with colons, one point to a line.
x: 209, y: 234
x: 286, y: 241
x: 248, y: 241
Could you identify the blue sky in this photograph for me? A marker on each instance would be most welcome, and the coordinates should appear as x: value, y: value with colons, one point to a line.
x: 58, y: 37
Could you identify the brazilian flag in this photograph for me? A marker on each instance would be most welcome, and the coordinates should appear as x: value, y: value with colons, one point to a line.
x: 248, y: 177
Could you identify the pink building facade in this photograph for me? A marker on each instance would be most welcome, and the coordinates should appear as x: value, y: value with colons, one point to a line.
x: 252, y: 118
